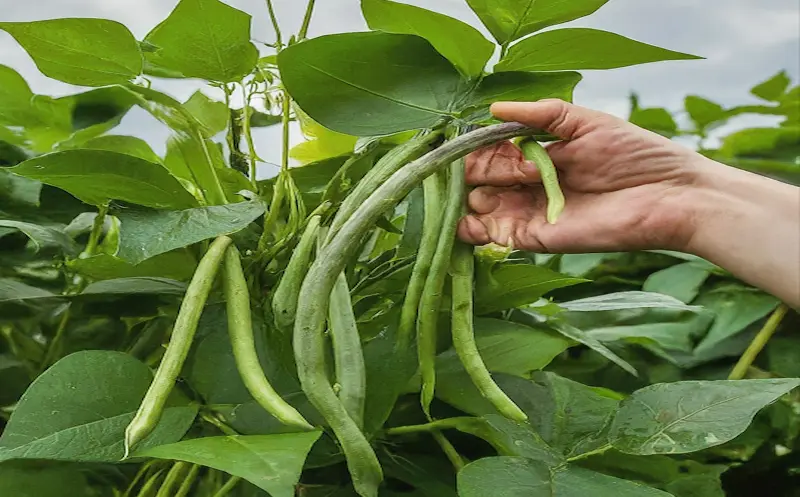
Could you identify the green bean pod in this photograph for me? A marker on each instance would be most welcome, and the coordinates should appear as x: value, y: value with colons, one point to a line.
x: 533, y: 151
x: 284, y: 300
x: 194, y: 301
x: 240, y: 329
x: 386, y: 166
x: 462, y: 270
x: 309, y: 328
x: 173, y: 476
x: 348, y: 355
x: 430, y: 303
x: 433, y: 198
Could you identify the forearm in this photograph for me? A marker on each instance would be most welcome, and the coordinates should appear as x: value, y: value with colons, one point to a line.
x: 749, y: 225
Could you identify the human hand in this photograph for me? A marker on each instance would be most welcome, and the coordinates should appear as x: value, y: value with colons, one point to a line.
x: 625, y: 187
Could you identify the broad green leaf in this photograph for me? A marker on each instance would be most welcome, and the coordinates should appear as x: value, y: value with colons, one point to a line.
x: 658, y: 120
x: 759, y: 140
x: 43, y: 237
x: 509, y: 348
x: 25, y: 481
x: 681, y: 281
x: 87, y: 52
x: 676, y: 418
x: 428, y: 475
x: 774, y: 88
x: 509, y: 20
x: 95, y: 112
x: 177, y: 265
x: 375, y: 83
x: 505, y: 477
x: 388, y: 372
x: 17, y: 292
x: 147, y: 233
x: 574, y: 481
x: 204, y: 39
x: 514, y: 285
x: 15, y: 98
x: 568, y: 415
x: 213, y: 115
x: 321, y: 143
x: 271, y: 462
x: 524, y: 87
x: 511, y: 438
x: 626, y: 300
x: 736, y: 308
x: 129, y: 145
x: 704, y: 112
x: 580, y: 336
x: 572, y: 49
x: 197, y: 160
x: 134, y: 286
x: 78, y: 410
x: 98, y: 176
x: 462, y: 44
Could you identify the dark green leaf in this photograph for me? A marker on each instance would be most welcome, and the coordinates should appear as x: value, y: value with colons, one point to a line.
x: 774, y: 88
x: 736, y: 308
x: 580, y: 336
x: 204, y: 39
x: 509, y: 20
x: 511, y: 438
x: 573, y: 481
x: 134, y: 286
x: 87, y: 52
x: 15, y: 99
x: 213, y: 115
x: 704, y: 112
x: 43, y: 237
x: 514, y: 285
x: 676, y: 418
x: 508, y: 347
x: 462, y: 44
x: 271, y: 462
x: 523, y: 87
x: 388, y: 372
x: 681, y: 281
x: 146, y: 233
x: 504, y: 477
x: 177, y: 265
x: 759, y: 140
x: 375, y: 83
x: 98, y: 176
x: 42, y: 482
x: 78, y: 410
x: 129, y: 145
x: 573, y: 49
x: 17, y: 292
x: 658, y: 120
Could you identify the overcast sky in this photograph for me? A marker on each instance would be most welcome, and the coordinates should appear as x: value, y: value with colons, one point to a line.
x: 743, y: 41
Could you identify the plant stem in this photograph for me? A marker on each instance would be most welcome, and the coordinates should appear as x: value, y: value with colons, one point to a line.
x: 438, y: 425
x: 226, y: 489
x: 55, y: 344
x: 97, y: 231
x: 275, y: 25
x: 306, y: 21
x: 188, y: 481
x: 285, y: 122
x: 452, y: 454
x: 251, y: 147
x: 503, y: 50
x: 758, y: 343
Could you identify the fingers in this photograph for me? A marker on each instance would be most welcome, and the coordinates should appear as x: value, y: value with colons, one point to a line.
x: 500, y: 215
x: 501, y: 164
x: 560, y: 118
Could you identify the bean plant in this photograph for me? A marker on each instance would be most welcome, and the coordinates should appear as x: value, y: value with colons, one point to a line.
x: 175, y: 325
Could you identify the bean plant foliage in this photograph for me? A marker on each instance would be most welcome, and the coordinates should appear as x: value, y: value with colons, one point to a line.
x: 173, y: 325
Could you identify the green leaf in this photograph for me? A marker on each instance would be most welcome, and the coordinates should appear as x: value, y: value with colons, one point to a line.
x: 626, y: 300
x: 574, y: 481
x: 504, y: 477
x: 681, y: 281
x: 129, y: 145
x: 78, y: 410
x: 462, y: 44
x: 508, y: 347
x: 736, y: 308
x: 87, y: 52
x: 204, y: 39
x: 658, y: 120
x: 213, y: 115
x: 511, y: 438
x: 135, y: 286
x: 15, y: 98
x: 98, y: 176
x: 177, y: 265
x: 514, y: 285
x: 271, y: 462
x: 199, y: 161
x: 375, y: 83
x: 147, y: 233
x: 321, y: 143
x: 18, y: 292
x: 580, y: 336
x: 43, y: 237
x: 774, y: 88
x: 682, y: 417
x: 388, y: 372
x: 704, y: 112
x: 574, y: 49
x: 509, y: 20
x: 42, y: 482
x: 759, y: 140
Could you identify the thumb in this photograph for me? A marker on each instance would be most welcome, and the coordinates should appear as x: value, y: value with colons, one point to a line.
x: 562, y: 119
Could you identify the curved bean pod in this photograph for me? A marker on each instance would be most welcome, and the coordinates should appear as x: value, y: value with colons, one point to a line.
x: 284, y: 300
x: 533, y: 151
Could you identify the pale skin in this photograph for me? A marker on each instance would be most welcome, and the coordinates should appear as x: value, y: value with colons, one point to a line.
x: 630, y: 189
